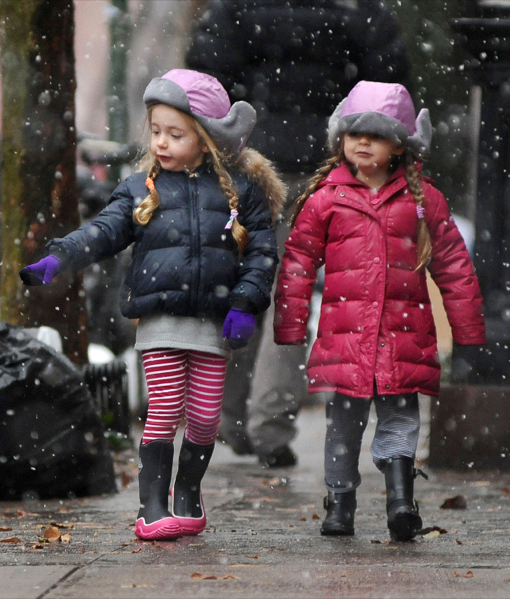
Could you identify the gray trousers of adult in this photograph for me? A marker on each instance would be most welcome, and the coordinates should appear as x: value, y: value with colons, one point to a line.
x: 396, y: 435
x: 266, y: 383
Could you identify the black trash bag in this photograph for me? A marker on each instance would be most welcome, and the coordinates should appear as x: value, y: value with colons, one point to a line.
x: 52, y: 441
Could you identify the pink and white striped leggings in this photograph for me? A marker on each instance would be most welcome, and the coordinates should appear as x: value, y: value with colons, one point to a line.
x: 182, y: 382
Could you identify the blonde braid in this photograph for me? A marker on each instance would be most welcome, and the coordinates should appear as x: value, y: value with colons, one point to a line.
x: 320, y: 174
x: 145, y: 210
x: 239, y: 233
x: 424, y: 245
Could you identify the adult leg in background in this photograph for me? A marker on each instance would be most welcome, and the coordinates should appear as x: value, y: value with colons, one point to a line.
x: 266, y: 383
x: 238, y: 383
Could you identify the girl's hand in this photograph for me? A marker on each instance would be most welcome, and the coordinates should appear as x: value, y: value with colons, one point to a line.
x: 238, y: 327
x: 42, y: 272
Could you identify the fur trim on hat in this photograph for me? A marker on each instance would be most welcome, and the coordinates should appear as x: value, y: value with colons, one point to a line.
x: 261, y: 171
x: 230, y: 133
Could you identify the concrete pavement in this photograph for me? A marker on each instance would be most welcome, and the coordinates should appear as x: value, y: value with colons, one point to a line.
x: 262, y: 539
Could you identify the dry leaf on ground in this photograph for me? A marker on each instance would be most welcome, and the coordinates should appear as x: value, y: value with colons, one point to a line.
x: 468, y: 574
x: 426, y: 531
x: 455, y: 503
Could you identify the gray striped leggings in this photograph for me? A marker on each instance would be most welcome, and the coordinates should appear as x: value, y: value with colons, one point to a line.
x: 396, y: 434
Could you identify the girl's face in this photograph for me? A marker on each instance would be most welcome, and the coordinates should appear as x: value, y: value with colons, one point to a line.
x: 371, y: 154
x: 174, y: 141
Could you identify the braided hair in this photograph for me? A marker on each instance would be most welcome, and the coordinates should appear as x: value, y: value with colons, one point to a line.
x: 424, y: 245
x: 320, y: 174
x: 143, y: 213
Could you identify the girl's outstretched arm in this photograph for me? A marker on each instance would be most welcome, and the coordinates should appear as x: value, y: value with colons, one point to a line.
x: 109, y: 233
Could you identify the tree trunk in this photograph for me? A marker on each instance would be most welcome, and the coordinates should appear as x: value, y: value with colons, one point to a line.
x: 39, y: 190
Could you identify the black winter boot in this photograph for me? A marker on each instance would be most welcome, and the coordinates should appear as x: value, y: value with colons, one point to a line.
x: 188, y: 507
x: 154, y: 521
x: 339, y: 520
x: 403, y: 517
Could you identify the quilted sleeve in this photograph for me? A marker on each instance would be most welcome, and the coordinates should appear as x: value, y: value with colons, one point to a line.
x: 452, y: 271
x: 304, y: 254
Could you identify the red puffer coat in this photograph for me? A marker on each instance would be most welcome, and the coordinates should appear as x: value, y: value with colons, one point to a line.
x: 376, y: 319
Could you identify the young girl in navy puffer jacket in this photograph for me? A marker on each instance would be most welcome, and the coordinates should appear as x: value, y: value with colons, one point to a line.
x: 376, y: 225
x: 200, y: 217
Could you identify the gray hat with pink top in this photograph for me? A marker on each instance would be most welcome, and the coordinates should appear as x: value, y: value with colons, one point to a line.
x: 384, y: 109
x: 204, y: 98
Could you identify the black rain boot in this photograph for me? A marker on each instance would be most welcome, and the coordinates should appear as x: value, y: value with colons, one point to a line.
x: 188, y: 507
x: 403, y: 517
x: 154, y: 521
x: 339, y: 520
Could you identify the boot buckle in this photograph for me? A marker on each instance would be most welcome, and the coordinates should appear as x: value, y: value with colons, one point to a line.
x: 419, y: 471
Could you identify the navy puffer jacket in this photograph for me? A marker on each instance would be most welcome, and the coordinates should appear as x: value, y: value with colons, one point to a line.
x: 184, y: 260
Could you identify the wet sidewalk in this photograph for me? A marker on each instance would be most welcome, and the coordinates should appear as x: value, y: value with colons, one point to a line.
x: 262, y: 539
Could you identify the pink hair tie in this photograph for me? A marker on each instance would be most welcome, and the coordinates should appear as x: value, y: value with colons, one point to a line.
x: 233, y: 215
x: 420, y: 211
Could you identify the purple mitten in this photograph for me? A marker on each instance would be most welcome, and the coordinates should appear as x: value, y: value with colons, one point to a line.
x: 238, y: 327
x: 42, y: 272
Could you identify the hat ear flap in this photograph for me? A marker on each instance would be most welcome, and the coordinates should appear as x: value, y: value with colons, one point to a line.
x: 419, y: 143
x: 334, y: 128
x: 232, y: 131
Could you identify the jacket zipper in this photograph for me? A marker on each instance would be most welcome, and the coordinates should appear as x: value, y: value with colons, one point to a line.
x: 195, y: 241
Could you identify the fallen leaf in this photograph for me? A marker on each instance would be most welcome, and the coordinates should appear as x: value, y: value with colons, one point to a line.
x: 274, y: 482
x: 468, y: 574
x: 66, y: 538
x: 475, y: 542
x: 60, y: 525
x: 458, y: 542
x: 429, y: 529
x: 315, y: 517
x: 303, y: 519
x: 505, y: 490
x: 16, y: 512
x: 200, y: 576
x: 10, y: 540
x: 433, y: 534
x: 455, y: 503
x: 126, y: 479
x: 38, y: 546
x: 52, y: 534
x: 5, y: 528
x: 136, y: 550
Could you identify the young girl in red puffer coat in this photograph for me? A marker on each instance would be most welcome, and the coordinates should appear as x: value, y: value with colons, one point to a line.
x: 376, y: 225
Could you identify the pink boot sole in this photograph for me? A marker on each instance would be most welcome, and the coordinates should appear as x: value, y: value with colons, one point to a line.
x: 164, y: 529
x: 191, y: 526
